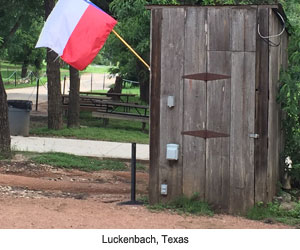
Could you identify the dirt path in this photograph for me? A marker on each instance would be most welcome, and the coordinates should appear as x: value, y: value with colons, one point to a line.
x: 41, y: 196
x: 88, y: 82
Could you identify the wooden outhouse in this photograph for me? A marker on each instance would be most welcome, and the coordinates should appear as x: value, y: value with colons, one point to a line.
x: 215, y: 123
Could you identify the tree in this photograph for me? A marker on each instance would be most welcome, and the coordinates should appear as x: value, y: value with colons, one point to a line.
x: 289, y: 93
x: 15, y: 13
x: 54, y: 85
x: 74, y: 107
x: 21, y: 48
x: 12, y: 14
x: 5, y: 150
x: 103, y: 4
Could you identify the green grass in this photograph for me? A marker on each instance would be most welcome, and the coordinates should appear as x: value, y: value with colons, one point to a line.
x: 43, y: 80
x: 132, y: 99
x: 184, y: 205
x: 135, y: 91
x: 93, y: 129
x: 78, y: 162
x: 100, y: 69
x: 273, y: 211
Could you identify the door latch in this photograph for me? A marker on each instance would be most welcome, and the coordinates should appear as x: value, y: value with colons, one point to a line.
x: 254, y: 136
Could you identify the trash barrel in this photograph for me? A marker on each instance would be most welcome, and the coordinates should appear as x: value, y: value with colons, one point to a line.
x: 19, y: 116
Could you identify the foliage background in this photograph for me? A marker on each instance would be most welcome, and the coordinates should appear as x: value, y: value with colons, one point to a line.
x: 289, y: 93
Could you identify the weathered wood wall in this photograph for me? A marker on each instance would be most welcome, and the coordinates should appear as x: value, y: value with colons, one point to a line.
x: 261, y: 106
x: 234, y: 172
x: 243, y: 32
x: 194, y: 116
x: 156, y: 36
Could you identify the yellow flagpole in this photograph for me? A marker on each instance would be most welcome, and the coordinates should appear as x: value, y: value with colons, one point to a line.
x: 131, y: 49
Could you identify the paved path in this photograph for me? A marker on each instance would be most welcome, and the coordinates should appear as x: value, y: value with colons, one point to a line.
x: 79, y: 147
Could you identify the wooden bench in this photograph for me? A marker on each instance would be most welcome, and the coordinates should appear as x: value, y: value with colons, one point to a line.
x: 126, y: 96
x: 121, y: 116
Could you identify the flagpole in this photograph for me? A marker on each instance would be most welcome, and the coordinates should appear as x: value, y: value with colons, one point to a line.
x: 131, y: 49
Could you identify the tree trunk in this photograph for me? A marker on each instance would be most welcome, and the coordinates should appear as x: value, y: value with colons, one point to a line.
x: 74, y: 106
x: 54, y: 85
x: 5, y: 150
x: 54, y: 92
x: 143, y: 78
x: 144, y: 91
x: 116, y: 89
x: 24, y: 69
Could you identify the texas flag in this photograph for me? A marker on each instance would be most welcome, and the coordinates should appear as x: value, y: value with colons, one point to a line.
x: 76, y: 30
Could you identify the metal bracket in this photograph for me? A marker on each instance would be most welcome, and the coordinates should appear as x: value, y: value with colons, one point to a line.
x: 204, y: 134
x: 254, y: 136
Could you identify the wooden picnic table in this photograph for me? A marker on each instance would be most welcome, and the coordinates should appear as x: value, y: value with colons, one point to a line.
x: 107, y: 104
x: 91, y: 100
x: 116, y: 105
x: 112, y: 112
x: 109, y: 95
x: 106, y: 108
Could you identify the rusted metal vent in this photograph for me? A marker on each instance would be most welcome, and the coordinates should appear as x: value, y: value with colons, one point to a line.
x: 206, y: 77
x: 204, y: 134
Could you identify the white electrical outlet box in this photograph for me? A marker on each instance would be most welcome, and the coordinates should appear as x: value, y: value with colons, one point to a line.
x: 171, y: 101
x: 164, y: 189
x: 172, y: 151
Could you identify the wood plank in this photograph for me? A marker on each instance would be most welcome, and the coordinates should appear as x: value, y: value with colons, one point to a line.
x: 82, y: 108
x: 171, y: 78
x: 116, y: 104
x: 242, y: 125
x: 120, y: 116
x: 219, y: 28
x: 273, y: 116
x: 155, y: 85
x: 284, y: 65
x: 218, y: 120
x: 107, y: 94
x: 243, y: 29
x: 194, y: 114
x: 262, y: 106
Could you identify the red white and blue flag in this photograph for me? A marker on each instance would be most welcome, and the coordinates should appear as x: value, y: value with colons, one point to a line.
x: 76, y: 30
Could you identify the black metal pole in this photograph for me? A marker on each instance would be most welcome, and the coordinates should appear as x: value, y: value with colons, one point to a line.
x: 133, y: 171
x: 37, y: 94
x: 133, y: 178
x: 15, y: 79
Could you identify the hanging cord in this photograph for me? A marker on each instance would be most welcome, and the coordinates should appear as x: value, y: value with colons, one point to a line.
x: 267, y: 38
x: 33, y: 90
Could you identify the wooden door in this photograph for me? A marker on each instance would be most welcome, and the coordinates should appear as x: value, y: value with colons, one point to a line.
x: 219, y: 98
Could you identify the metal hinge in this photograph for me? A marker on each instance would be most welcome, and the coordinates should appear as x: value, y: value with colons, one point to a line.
x: 254, y: 136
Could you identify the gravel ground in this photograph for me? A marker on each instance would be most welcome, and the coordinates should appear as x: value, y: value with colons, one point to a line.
x: 41, y: 196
